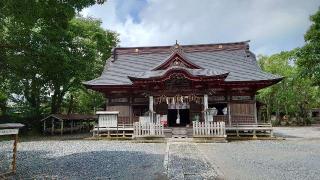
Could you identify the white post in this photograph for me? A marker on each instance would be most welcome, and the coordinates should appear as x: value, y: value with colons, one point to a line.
x: 205, y: 106
x: 151, y: 107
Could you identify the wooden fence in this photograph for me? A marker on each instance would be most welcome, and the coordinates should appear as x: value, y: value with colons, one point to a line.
x: 209, y: 129
x: 142, y: 129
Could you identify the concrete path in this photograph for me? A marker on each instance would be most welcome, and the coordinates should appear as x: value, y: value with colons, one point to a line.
x: 184, y: 161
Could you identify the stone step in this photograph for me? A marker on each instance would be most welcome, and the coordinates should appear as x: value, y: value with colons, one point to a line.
x: 179, y: 131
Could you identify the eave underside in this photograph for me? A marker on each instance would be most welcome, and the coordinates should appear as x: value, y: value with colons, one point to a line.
x: 217, y: 86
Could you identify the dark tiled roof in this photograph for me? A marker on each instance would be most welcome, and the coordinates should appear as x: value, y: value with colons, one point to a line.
x: 11, y: 125
x: 233, y: 58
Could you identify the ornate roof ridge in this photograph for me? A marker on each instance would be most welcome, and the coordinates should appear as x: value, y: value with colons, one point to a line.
x: 177, y: 55
x: 187, y: 48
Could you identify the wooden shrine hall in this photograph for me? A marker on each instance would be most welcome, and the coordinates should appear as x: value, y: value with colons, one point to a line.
x: 180, y: 85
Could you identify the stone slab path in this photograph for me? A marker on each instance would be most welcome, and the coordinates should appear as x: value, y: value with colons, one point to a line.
x: 185, y: 161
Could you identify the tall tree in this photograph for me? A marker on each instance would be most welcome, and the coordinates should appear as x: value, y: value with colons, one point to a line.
x: 83, y: 56
x: 45, y: 51
x: 294, y: 95
x: 309, y: 55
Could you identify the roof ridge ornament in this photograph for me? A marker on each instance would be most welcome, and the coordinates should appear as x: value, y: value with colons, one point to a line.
x: 176, y: 48
x: 176, y: 58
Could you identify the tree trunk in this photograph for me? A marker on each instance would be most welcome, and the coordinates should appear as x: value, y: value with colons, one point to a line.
x: 278, y: 113
x: 70, y: 108
x: 53, y: 103
x: 57, y: 99
x: 3, y: 108
x: 32, y: 94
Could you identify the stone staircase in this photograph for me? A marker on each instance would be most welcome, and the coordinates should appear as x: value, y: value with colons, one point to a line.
x: 179, y: 132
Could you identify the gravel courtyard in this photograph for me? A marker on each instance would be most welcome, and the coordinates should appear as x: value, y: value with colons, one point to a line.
x: 297, y: 157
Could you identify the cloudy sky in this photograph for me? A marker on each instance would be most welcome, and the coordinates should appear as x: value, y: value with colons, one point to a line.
x: 271, y: 25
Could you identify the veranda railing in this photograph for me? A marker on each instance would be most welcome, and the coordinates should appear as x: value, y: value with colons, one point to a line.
x: 209, y: 129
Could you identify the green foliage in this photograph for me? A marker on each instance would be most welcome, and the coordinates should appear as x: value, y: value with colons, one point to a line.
x: 294, y: 95
x: 46, y: 52
x: 84, y: 101
x: 309, y: 55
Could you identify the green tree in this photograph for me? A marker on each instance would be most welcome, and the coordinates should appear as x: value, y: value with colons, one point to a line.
x: 46, y: 52
x: 294, y: 95
x: 81, y: 59
x: 309, y: 55
x: 29, y: 30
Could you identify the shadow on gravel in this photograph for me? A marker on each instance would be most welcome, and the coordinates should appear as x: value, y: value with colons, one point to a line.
x: 89, y: 165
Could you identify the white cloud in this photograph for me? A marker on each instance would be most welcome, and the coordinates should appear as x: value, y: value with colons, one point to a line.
x: 271, y: 25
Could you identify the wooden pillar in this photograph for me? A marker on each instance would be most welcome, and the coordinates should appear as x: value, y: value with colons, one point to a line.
x: 44, y: 126
x: 255, y: 110
x: 205, y: 106
x: 14, y: 156
x: 130, y: 111
x: 107, y: 104
x: 71, y: 126
x: 61, y: 128
x: 229, y: 113
x: 151, y: 107
x: 52, y: 126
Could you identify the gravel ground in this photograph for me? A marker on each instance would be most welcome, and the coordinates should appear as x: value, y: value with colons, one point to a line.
x: 297, y: 157
x: 293, y: 133
x: 88, y: 160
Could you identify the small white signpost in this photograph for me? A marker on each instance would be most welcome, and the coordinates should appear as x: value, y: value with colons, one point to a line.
x: 8, y: 130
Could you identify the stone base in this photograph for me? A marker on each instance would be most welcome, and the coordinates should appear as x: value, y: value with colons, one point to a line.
x: 210, y: 139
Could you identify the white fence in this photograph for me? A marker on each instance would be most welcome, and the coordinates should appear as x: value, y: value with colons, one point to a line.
x: 142, y: 129
x: 209, y: 129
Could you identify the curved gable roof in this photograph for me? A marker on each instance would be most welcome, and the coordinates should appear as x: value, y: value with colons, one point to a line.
x: 177, y: 56
x: 234, y: 58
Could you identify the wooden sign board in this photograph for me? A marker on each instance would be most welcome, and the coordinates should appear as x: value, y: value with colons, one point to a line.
x: 241, y: 98
x: 119, y: 100
x: 216, y: 98
x: 8, y: 131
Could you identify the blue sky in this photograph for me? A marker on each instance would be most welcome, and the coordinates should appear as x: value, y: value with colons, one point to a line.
x: 271, y: 25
